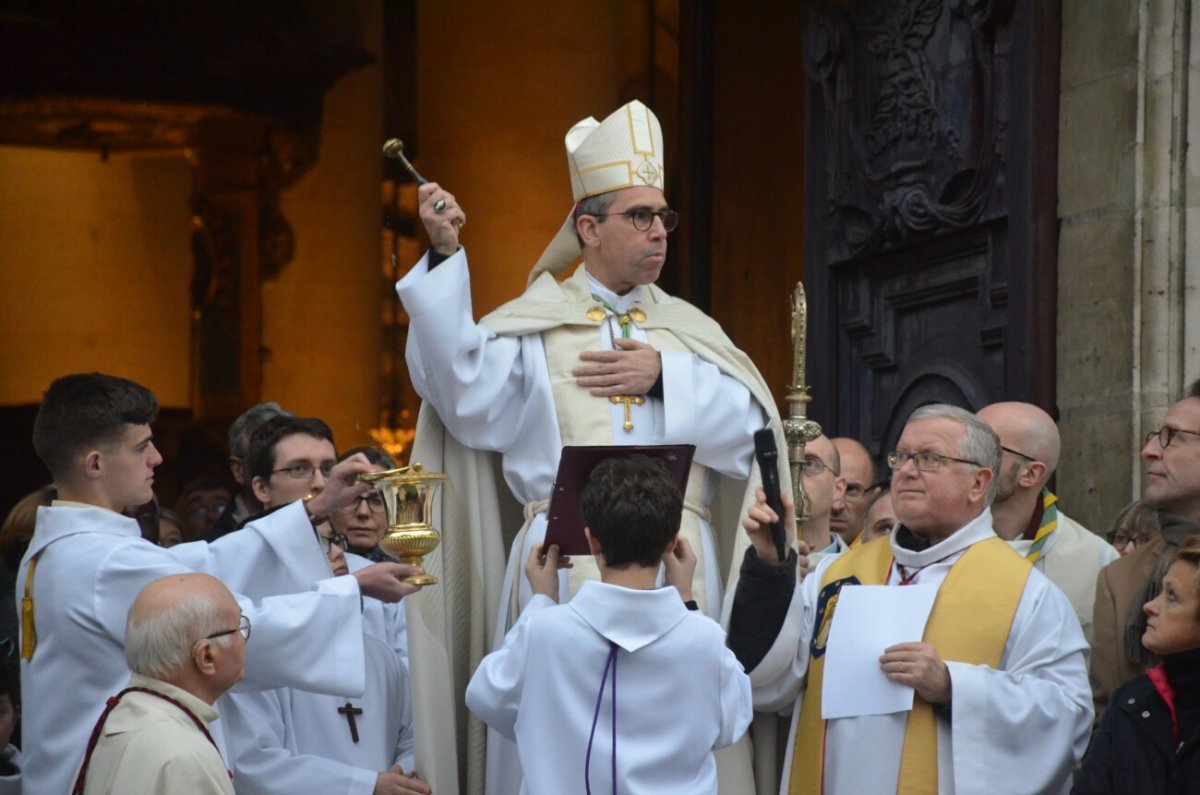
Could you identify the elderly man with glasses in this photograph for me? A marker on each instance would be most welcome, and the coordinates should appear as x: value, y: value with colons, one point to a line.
x: 1026, y: 514
x: 185, y: 642
x: 999, y: 681
x: 1172, y: 487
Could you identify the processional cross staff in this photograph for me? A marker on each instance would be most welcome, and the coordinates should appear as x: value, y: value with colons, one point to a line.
x: 798, y: 430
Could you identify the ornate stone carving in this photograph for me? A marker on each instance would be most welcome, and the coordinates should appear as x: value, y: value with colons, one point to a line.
x: 915, y: 95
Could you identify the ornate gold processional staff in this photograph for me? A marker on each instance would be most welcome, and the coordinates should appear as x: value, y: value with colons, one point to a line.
x: 798, y: 430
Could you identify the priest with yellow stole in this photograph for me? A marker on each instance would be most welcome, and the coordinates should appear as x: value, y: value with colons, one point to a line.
x: 1001, y: 701
x: 601, y: 357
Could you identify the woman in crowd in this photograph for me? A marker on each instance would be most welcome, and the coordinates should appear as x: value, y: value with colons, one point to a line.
x: 1136, y: 525
x: 364, y: 522
x: 1148, y: 741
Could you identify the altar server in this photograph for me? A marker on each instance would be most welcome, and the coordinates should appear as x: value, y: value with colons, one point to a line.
x: 553, y: 687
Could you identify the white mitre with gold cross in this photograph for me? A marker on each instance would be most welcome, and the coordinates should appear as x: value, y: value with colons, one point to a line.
x: 623, y: 151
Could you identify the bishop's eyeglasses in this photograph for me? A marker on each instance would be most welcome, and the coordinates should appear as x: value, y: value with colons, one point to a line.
x: 643, y: 218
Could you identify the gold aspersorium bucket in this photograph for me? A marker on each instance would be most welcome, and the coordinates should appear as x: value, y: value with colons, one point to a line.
x: 408, y: 501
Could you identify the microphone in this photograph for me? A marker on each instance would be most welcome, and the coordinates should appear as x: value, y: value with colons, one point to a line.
x: 767, y: 455
x: 393, y: 149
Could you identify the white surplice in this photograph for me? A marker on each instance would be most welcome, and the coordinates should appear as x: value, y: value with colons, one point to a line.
x: 680, y: 693
x: 93, y: 563
x: 1021, y: 728
x: 287, y: 740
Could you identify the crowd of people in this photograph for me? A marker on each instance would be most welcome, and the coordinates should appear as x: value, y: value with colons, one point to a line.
x: 257, y: 639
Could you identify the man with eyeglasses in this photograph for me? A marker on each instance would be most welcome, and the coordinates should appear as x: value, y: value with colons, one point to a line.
x: 1001, y: 699
x: 603, y: 357
x: 858, y: 471
x: 1172, y: 487
x: 185, y: 642
x: 290, y: 459
x: 825, y: 489
x: 1026, y: 514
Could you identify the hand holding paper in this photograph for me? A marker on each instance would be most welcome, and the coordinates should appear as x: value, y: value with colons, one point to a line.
x: 919, y: 666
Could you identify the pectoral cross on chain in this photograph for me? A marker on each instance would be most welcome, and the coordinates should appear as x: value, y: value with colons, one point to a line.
x: 350, y: 711
x: 635, y: 315
x: 629, y: 401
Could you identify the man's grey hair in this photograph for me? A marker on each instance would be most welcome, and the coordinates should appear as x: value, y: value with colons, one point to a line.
x: 593, y: 205
x: 979, y: 442
x: 161, y: 644
x: 243, y: 426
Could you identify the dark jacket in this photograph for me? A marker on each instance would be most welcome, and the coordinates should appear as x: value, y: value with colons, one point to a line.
x: 1118, y: 622
x: 1135, y: 750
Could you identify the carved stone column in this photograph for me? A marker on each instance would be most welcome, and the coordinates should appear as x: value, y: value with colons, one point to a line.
x: 1128, y: 300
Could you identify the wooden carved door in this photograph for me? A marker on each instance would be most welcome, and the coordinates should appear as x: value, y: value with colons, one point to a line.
x: 931, y: 232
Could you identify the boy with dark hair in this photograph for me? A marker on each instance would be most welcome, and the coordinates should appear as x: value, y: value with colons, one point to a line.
x: 683, y: 693
x: 86, y: 563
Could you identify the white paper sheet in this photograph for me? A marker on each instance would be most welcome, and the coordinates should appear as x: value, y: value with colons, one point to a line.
x: 867, y: 620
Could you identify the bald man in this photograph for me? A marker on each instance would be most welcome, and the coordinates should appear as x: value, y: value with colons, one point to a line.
x: 858, y: 471
x: 1026, y: 515
x: 824, y: 487
x: 185, y: 642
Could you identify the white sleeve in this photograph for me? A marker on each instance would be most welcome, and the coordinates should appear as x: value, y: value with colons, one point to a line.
x: 1042, y: 692
x: 494, y: 692
x: 310, y: 641
x: 256, y: 726
x: 736, y: 708
x: 301, y: 635
x: 475, y: 379
x: 716, y: 412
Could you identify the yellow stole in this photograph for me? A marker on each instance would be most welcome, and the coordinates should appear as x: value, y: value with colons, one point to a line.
x: 971, y: 618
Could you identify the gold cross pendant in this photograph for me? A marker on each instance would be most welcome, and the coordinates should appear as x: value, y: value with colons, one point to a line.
x: 629, y: 401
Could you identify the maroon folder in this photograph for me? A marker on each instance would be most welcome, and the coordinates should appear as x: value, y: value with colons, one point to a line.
x: 565, y: 523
